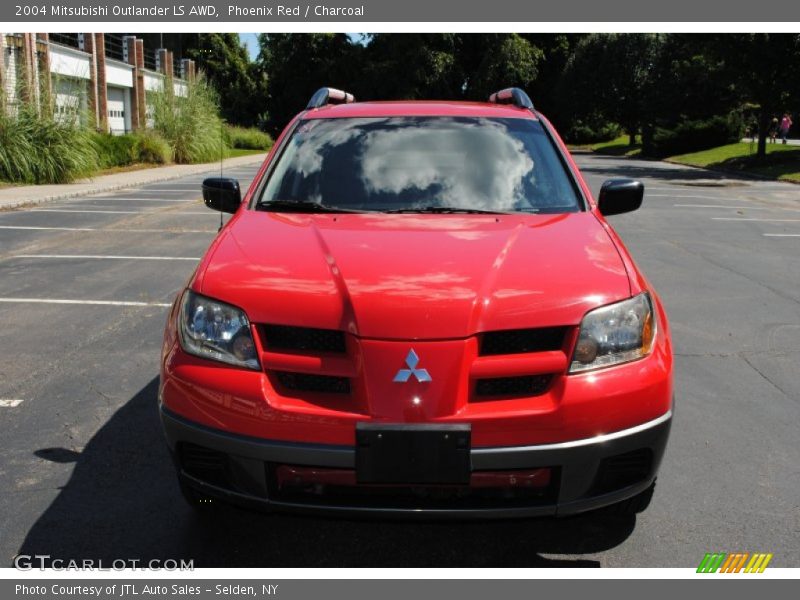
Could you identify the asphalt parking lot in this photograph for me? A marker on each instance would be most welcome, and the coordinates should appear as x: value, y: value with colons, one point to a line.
x: 84, y: 286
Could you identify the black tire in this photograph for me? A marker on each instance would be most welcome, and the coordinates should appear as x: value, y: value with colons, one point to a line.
x: 200, y: 502
x: 633, y: 506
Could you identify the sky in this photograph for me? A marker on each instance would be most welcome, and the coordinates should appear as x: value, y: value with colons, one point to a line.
x: 251, y: 41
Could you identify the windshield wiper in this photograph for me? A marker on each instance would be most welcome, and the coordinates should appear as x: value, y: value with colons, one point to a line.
x: 303, y: 206
x: 445, y: 210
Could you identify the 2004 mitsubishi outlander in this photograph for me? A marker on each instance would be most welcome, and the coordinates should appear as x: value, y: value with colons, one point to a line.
x: 418, y: 309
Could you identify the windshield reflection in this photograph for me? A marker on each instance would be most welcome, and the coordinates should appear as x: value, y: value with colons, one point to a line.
x: 451, y: 164
x: 418, y: 163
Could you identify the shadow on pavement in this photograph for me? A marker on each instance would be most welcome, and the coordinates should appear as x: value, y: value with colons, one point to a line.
x: 122, y: 502
x: 675, y: 175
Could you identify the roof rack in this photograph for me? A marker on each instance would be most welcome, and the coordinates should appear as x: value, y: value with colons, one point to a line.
x: 514, y: 96
x: 324, y: 96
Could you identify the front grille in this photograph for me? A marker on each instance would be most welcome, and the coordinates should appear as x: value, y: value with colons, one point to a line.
x: 522, y: 341
x: 205, y: 464
x: 527, y: 385
x: 622, y: 470
x: 303, y: 339
x: 304, y: 382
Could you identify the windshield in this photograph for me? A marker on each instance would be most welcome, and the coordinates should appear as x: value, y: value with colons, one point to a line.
x: 410, y: 164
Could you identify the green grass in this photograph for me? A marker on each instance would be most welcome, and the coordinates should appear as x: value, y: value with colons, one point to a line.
x: 781, y: 162
x: 618, y: 147
x: 234, y: 152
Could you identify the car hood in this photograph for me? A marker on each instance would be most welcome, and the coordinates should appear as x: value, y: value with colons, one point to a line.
x: 413, y: 276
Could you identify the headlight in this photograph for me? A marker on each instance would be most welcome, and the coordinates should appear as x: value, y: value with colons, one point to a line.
x: 217, y: 331
x: 615, y: 334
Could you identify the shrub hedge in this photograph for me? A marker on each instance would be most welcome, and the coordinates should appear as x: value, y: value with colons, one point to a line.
x: 248, y: 138
x: 39, y: 148
x: 695, y: 135
x: 591, y: 131
x: 123, y: 150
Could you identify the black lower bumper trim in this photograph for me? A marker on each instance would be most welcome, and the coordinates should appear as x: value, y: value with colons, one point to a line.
x: 578, y: 464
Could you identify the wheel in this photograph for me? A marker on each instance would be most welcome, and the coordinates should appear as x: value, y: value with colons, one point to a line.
x: 634, y: 505
x: 200, y: 502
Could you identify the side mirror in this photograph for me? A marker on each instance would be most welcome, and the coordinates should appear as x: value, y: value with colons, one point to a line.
x: 222, y: 194
x: 619, y: 196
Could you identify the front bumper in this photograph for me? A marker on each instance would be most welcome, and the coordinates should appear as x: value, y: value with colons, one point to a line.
x: 582, y: 470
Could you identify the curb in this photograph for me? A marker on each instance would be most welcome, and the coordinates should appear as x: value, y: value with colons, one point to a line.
x: 112, y: 187
x: 731, y: 173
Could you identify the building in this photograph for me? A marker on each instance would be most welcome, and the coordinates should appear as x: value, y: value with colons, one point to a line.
x: 107, y: 77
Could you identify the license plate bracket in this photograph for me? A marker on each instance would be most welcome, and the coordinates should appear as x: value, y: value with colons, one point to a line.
x: 413, y: 454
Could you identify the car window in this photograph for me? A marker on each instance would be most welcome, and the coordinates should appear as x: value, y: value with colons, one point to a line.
x: 408, y: 163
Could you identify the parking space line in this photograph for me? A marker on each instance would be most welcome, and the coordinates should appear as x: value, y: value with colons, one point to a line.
x: 104, y: 257
x: 680, y: 188
x: 154, y: 211
x: 158, y: 230
x: 113, y: 209
x: 47, y: 228
x: 677, y: 196
x: 121, y: 199
x: 83, y: 302
x: 109, y: 229
x: 150, y: 194
x: 781, y: 235
x: 758, y: 220
x: 721, y: 206
x: 105, y: 212
x: 10, y: 402
x: 174, y: 190
x: 139, y: 190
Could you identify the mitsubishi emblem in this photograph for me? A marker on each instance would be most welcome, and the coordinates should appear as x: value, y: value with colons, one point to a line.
x: 412, y: 360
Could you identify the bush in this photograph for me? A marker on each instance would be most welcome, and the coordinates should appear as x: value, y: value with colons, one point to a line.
x: 591, y: 131
x: 42, y: 148
x: 114, y: 150
x: 692, y: 136
x: 123, y: 150
x: 191, y: 123
x: 247, y: 138
x: 149, y: 147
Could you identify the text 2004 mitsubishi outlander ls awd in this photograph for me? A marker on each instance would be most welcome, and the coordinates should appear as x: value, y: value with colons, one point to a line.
x: 418, y: 309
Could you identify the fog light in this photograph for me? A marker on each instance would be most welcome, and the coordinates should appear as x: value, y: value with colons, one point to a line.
x: 586, y: 350
x: 243, y: 348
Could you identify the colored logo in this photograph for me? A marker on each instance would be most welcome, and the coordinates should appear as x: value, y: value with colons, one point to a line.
x: 412, y: 360
x: 735, y: 562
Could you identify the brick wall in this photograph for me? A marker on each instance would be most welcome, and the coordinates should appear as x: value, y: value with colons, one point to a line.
x: 31, y: 62
x: 101, y: 85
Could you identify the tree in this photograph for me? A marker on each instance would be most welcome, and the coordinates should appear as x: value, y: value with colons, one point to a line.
x: 689, y: 82
x: 297, y: 64
x: 503, y: 60
x: 446, y: 65
x: 393, y: 66
x: 241, y: 85
x: 556, y: 50
x: 607, y: 75
x: 412, y: 66
x: 764, y: 68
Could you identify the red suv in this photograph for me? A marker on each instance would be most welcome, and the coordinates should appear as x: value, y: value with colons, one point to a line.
x: 418, y: 309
